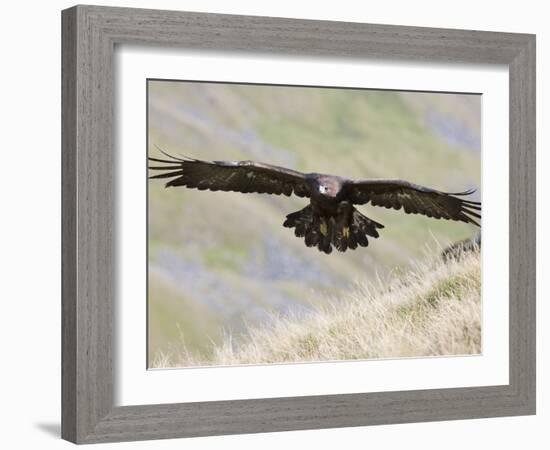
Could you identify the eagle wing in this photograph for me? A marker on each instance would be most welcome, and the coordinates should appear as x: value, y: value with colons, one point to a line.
x: 237, y: 176
x: 414, y: 199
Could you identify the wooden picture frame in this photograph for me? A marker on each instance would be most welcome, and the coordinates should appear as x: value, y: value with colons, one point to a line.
x: 90, y: 34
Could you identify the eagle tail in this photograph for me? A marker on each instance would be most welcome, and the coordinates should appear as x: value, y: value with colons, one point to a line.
x: 349, y: 229
x: 300, y: 220
x: 353, y: 231
x: 306, y: 224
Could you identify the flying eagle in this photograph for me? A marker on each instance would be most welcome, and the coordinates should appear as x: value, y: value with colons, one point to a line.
x: 330, y: 219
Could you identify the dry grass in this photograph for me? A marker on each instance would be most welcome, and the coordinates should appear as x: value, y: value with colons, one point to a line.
x: 432, y: 309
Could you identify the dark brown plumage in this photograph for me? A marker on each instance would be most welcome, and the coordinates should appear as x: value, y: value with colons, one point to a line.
x: 330, y: 219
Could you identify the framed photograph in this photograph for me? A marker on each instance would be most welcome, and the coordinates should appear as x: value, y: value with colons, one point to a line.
x: 276, y: 224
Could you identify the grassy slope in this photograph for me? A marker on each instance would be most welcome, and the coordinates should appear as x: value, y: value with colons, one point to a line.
x: 432, y: 309
x: 219, y: 260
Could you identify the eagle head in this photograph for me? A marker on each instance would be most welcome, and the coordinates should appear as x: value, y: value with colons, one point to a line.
x: 328, y: 186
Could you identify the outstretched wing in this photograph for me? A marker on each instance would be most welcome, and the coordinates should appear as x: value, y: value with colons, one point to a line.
x: 414, y: 199
x: 237, y: 176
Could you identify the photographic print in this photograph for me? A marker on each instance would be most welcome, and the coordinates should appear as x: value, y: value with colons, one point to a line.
x: 292, y: 224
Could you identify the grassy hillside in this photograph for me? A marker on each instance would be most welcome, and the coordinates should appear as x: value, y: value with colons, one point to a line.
x: 219, y: 261
x: 431, y: 309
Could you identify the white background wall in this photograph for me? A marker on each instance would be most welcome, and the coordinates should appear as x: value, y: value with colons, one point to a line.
x: 30, y: 223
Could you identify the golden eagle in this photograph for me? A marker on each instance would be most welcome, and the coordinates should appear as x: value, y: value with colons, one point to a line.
x: 330, y: 218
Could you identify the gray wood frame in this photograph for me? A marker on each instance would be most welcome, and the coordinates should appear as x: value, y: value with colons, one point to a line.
x: 88, y: 198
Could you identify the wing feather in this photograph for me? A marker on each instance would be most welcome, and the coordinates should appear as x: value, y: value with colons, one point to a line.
x: 414, y: 199
x: 236, y: 176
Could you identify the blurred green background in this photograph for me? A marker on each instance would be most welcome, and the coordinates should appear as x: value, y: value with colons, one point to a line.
x: 220, y: 261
